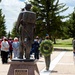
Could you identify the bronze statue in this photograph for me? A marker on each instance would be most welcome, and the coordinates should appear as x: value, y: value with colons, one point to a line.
x: 25, y: 26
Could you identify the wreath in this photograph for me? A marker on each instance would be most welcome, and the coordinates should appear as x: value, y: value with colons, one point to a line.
x: 46, y: 47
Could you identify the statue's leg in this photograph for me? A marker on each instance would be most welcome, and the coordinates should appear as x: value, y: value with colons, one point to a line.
x: 28, y: 48
x: 29, y: 36
x: 21, y: 43
x: 21, y: 51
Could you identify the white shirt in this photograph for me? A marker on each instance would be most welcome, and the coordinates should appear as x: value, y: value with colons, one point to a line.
x: 5, y: 46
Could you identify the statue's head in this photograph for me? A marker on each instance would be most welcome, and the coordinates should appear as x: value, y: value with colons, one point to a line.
x: 28, y: 6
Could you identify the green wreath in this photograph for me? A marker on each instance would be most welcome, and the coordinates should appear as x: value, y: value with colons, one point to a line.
x: 46, y: 47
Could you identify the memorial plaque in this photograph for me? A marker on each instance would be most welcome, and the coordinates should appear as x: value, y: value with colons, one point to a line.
x: 20, y: 71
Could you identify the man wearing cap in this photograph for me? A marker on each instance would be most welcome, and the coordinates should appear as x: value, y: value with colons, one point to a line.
x: 46, y: 48
x: 47, y: 58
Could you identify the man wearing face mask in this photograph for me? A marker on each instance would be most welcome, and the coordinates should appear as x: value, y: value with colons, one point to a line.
x: 35, y: 46
x: 4, y: 50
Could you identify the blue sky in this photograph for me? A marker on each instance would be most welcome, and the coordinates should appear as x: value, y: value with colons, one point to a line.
x: 11, y: 10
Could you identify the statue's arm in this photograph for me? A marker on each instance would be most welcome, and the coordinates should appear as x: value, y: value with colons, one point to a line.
x: 18, y: 21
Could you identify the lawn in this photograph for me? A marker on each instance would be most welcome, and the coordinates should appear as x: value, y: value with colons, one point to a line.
x: 63, y: 43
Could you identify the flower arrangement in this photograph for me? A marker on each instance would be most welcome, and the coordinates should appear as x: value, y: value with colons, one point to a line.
x: 46, y: 47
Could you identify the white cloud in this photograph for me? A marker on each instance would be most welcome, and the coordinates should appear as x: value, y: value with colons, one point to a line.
x: 11, y: 9
x: 70, y: 4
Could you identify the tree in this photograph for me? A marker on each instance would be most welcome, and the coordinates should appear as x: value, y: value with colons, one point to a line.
x: 2, y: 24
x: 48, y: 17
x: 9, y: 35
x: 14, y: 32
x: 71, y: 24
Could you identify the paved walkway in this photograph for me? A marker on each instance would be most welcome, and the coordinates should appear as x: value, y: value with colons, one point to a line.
x: 62, y: 63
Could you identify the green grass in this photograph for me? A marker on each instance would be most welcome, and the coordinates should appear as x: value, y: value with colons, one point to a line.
x: 63, y: 43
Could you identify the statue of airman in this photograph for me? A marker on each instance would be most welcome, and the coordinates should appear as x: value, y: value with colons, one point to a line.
x: 25, y: 26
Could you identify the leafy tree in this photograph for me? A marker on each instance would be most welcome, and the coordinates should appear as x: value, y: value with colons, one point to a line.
x: 48, y: 17
x: 13, y: 32
x: 9, y: 34
x: 2, y: 24
x: 71, y: 24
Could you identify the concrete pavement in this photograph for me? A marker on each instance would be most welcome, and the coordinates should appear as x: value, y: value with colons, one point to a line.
x: 65, y: 66
x: 62, y: 63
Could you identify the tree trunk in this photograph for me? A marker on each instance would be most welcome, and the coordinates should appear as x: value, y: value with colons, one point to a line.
x: 54, y: 41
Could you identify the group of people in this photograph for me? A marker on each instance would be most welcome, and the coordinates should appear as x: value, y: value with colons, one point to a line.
x: 9, y: 46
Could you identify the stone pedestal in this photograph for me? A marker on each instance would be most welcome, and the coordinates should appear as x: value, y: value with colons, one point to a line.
x: 23, y: 67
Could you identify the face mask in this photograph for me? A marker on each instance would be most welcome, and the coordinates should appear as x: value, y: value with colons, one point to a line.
x: 5, y: 39
x: 35, y: 40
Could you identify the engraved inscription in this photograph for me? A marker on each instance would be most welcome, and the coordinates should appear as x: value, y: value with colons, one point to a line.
x: 20, y: 71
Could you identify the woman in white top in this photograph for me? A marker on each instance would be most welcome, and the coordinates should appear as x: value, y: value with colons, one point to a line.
x: 4, y: 50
